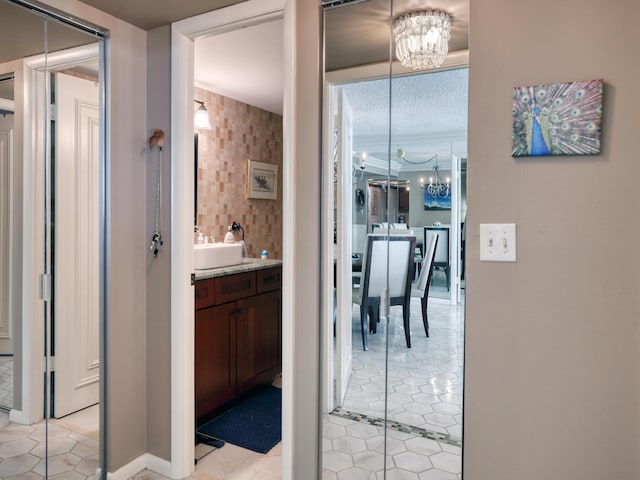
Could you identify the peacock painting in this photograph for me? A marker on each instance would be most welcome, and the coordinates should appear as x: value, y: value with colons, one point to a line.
x: 557, y: 119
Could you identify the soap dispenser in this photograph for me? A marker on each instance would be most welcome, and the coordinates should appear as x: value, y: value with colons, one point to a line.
x: 200, y: 238
x: 228, y: 237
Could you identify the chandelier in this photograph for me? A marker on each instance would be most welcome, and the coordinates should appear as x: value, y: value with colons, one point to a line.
x: 437, y: 188
x: 422, y: 38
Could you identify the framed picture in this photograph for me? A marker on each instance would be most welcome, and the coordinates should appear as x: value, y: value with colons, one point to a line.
x: 435, y: 201
x: 262, y: 180
x: 557, y: 119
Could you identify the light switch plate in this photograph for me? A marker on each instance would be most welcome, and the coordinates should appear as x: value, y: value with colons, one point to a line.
x: 498, y: 242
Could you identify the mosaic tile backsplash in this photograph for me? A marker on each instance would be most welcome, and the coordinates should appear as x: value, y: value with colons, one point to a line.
x: 239, y: 132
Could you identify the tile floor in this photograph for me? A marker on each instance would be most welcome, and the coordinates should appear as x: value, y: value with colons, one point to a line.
x: 424, y: 403
x: 72, y: 449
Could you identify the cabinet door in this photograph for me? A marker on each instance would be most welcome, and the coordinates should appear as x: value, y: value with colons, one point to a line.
x: 215, y: 357
x: 259, y: 340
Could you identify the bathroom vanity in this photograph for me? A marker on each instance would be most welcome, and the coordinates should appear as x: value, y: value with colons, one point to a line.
x: 238, y: 331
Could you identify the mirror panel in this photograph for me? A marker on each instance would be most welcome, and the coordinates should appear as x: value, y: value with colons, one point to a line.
x: 393, y: 403
x: 365, y: 197
x: 54, y: 207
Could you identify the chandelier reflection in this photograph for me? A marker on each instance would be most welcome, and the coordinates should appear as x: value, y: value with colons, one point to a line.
x: 436, y: 187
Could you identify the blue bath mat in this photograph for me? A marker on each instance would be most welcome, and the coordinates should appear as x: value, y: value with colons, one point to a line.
x: 255, y: 424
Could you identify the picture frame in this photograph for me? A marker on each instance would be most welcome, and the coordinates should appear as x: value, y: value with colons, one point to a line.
x: 262, y: 180
x: 557, y: 119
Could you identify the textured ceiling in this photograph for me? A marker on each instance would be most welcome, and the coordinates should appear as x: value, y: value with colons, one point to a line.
x: 427, y: 113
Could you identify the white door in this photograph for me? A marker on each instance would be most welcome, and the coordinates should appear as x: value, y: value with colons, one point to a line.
x: 344, y: 200
x: 76, y: 257
x: 6, y: 230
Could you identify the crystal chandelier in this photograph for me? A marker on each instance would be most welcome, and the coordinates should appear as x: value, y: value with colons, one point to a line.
x: 422, y: 38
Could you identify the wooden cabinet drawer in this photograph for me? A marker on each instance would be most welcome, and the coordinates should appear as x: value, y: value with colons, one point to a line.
x: 204, y: 291
x: 234, y: 287
x: 269, y: 279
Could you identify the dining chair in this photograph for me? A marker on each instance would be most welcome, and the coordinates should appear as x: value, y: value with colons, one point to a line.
x: 424, y: 280
x: 388, y: 261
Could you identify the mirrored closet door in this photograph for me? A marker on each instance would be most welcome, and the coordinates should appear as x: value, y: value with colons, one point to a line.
x: 51, y: 246
x: 392, y: 355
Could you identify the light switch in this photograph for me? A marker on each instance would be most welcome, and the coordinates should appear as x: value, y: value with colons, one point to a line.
x: 498, y: 242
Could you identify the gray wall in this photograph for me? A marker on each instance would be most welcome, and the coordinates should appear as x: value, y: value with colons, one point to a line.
x: 158, y: 276
x: 127, y: 238
x: 551, y: 379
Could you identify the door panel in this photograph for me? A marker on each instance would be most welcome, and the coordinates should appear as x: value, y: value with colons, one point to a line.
x: 259, y: 340
x: 215, y: 357
x: 344, y: 248
x: 76, y: 250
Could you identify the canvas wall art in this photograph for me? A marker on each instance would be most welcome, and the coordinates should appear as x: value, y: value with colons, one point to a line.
x: 435, y: 201
x: 557, y: 119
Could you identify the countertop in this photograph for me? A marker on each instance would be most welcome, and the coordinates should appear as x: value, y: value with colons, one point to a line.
x: 247, y: 265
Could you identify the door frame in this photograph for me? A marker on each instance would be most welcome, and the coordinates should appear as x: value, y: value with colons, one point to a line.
x: 337, y: 264
x: 183, y: 34
x: 33, y: 328
x: 333, y: 80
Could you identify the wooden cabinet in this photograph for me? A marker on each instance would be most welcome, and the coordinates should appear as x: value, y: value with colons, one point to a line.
x: 238, y: 336
x: 215, y: 353
x: 258, y: 340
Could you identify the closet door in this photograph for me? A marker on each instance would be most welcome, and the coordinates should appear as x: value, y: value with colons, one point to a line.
x: 36, y: 201
x: 359, y: 173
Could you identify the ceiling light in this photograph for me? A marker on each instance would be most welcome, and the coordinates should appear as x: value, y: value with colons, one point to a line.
x: 422, y: 38
x: 201, y: 118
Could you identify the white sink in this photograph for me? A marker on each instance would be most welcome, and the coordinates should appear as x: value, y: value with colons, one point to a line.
x: 214, y: 255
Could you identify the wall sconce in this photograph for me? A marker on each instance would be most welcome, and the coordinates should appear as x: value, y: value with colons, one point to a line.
x: 363, y: 157
x: 201, y: 117
x: 362, y: 165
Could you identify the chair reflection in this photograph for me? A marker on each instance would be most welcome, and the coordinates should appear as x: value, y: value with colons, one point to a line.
x: 388, y: 261
x: 424, y: 280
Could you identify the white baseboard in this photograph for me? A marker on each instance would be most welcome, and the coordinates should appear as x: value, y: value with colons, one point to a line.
x: 18, y: 416
x: 159, y: 465
x: 146, y: 461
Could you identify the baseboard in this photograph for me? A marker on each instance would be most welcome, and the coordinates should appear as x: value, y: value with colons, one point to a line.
x: 146, y: 461
x: 18, y: 416
x: 159, y: 465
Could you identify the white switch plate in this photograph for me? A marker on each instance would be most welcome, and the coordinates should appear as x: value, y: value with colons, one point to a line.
x: 498, y: 242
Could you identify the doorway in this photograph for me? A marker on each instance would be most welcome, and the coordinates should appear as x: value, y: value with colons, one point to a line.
x: 182, y: 92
